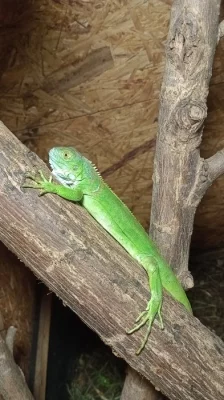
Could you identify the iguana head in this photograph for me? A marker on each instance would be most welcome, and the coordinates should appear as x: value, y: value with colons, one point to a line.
x: 66, y: 164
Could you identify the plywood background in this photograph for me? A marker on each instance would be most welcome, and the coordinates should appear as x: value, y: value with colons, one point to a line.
x: 87, y: 73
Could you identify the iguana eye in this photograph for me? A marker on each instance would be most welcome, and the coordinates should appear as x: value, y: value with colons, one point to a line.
x: 67, y: 155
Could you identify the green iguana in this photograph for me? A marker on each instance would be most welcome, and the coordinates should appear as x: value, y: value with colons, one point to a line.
x: 81, y: 182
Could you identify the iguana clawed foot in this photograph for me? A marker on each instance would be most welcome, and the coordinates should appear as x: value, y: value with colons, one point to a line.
x: 147, y: 316
x: 40, y: 182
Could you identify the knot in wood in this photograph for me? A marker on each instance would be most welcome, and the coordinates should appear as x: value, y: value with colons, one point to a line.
x: 184, y: 39
x: 196, y: 113
x: 191, y: 116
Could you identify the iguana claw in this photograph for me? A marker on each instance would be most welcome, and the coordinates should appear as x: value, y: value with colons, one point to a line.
x: 148, y: 315
x: 39, y: 183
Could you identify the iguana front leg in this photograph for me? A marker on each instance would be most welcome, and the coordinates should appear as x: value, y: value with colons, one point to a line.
x: 47, y: 186
x: 155, y: 303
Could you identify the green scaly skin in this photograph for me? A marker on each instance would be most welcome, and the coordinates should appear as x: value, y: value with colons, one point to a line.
x: 81, y: 182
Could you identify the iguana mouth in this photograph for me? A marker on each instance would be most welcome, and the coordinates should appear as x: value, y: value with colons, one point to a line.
x: 56, y: 170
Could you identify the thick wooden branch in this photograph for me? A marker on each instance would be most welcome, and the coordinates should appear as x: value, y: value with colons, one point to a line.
x: 211, y: 169
x: 12, y: 381
x: 215, y: 166
x: 93, y: 275
x: 179, y: 171
x: 138, y: 388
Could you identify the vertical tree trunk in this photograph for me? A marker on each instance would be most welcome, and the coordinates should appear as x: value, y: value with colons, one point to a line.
x: 179, y: 171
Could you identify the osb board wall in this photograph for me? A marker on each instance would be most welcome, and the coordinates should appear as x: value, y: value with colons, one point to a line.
x: 87, y: 73
x: 16, y: 304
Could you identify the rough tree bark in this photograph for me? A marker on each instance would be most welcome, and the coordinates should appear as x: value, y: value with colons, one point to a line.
x: 181, y: 177
x: 94, y: 276
x: 190, y: 50
x: 137, y: 387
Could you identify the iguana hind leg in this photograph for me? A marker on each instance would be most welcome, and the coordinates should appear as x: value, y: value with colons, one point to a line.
x: 155, y: 303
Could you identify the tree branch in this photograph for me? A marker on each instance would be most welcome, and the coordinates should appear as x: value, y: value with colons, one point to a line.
x: 211, y: 169
x: 215, y: 166
x: 9, y: 339
x: 137, y: 387
x: 97, y: 279
x: 179, y: 171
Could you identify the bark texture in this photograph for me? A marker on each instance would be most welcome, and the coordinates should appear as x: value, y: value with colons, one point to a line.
x: 137, y: 387
x: 98, y: 280
x: 180, y: 174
